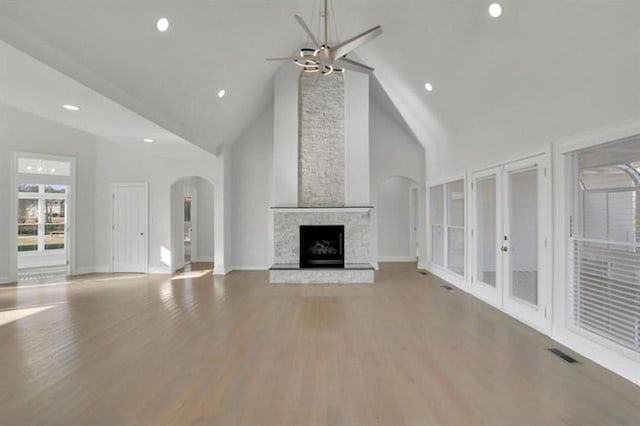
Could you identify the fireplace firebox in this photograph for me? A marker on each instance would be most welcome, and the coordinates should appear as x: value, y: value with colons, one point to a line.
x: 322, y: 246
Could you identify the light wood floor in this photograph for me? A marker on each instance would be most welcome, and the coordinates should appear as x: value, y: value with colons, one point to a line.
x: 234, y: 350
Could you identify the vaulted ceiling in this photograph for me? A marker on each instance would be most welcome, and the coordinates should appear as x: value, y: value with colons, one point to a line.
x: 537, y: 49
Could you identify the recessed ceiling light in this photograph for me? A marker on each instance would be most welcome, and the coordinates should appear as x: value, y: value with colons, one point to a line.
x: 70, y: 107
x: 148, y: 140
x: 428, y: 86
x: 221, y: 93
x: 495, y: 10
x: 162, y: 25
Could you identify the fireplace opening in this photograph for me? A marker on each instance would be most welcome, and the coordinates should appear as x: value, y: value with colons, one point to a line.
x: 322, y: 246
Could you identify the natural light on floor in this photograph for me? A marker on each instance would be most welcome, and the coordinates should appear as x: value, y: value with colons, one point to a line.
x: 190, y: 275
x: 15, y: 314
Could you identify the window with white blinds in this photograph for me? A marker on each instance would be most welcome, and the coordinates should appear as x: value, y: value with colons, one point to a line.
x: 436, y: 203
x: 604, y: 271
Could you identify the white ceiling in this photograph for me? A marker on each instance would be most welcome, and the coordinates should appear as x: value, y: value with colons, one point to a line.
x: 32, y: 86
x: 537, y: 51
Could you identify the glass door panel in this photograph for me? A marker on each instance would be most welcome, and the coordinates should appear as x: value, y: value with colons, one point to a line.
x: 510, y: 215
x: 486, y: 230
x: 524, y: 256
x: 522, y: 244
x: 487, y: 235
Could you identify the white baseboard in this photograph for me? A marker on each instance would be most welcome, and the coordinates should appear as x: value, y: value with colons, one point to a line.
x: 102, y: 269
x: 599, y: 354
x: 159, y: 270
x: 447, y: 275
x: 376, y: 266
x: 220, y: 270
x: 423, y: 266
x: 7, y: 280
x: 208, y: 259
x: 397, y: 259
x: 84, y: 270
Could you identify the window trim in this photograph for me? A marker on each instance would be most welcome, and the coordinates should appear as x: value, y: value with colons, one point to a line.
x: 41, y: 196
x: 16, y: 179
x: 454, y: 277
x: 600, y: 350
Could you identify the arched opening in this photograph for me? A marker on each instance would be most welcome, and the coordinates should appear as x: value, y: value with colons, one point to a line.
x: 398, y: 212
x: 192, y: 224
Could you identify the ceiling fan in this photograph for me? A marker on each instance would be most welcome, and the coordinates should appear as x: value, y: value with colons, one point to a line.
x: 325, y: 59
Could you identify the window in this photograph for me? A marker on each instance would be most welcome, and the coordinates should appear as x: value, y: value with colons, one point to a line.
x: 41, y: 217
x: 437, y: 224
x: 455, y: 227
x: 447, y: 204
x: 36, y: 166
x: 604, y: 288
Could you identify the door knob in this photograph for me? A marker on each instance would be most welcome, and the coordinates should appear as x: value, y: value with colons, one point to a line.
x: 504, y: 249
x: 142, y: 234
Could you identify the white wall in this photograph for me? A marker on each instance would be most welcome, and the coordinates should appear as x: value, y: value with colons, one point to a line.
x: 394, y: 152
x: 252, y: 194
x: 357, y: 158
x: 205, y: 240
x: 125, y: 163
x: 20, y: 131
x: 285, y: 136
x: 394, y: 220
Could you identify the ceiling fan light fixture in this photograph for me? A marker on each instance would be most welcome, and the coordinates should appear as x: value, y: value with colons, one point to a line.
x: 325, y: 58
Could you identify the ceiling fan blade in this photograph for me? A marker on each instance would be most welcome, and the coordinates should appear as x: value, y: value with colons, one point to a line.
x: 353, y: 65
x: 347, y: 46
x: 307, y: 30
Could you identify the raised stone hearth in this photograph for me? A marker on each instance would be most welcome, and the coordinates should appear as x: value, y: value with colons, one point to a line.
x: 351, y: 274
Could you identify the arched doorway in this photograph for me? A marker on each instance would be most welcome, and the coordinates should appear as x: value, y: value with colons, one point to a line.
x: 192, y: 222
x: 398, y: 215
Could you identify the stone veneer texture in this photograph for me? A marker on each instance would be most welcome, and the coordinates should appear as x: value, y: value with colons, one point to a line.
x: 321, y: 152
x: 287, y: 233
x: 319, y: 276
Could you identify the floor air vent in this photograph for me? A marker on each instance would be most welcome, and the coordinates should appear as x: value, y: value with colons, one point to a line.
x: 562, y: 355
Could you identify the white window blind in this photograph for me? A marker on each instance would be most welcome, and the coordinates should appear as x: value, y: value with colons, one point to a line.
x: 447, y: 203
x: 455, y: 227
x: 436, y: 202
x: 604, y: 271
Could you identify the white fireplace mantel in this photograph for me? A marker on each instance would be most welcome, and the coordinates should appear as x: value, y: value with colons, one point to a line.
x: 346, y: 209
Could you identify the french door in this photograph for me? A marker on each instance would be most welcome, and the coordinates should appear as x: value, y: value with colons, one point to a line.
x: 129, y: 206
x: 510, y: 231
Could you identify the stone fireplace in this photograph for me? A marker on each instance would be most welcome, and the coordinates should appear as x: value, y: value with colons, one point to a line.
x: 319, y: 236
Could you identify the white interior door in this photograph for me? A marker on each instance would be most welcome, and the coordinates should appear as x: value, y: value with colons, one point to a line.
x: 511, y: 228
x: 129, y: 227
